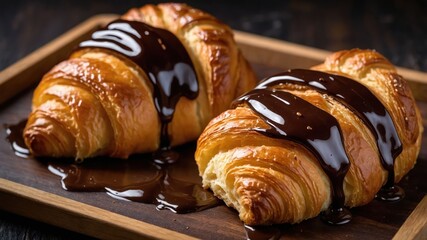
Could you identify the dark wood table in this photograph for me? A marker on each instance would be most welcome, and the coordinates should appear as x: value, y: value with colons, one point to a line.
x: 397, y: 29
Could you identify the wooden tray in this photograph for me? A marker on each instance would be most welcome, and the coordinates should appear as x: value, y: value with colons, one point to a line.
x: 28, y: 188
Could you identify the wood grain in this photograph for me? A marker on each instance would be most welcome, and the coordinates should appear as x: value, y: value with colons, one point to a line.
x: 415, y: 227
x: 27, y: 188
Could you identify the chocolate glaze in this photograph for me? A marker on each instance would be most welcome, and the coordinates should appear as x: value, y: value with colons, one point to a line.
x: 163, y: 58
x: 292, y: 118
x: 359, y: 99
x: 176, y: 186
x: 295, y: 119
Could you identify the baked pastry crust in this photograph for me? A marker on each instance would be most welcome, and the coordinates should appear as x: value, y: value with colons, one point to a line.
x: 99, y: 102
x: 272, y: 180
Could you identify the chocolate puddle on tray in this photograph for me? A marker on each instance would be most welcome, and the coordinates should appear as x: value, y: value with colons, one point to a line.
x: 174, y: 186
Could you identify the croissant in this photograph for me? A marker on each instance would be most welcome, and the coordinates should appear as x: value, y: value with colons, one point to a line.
x: 150, y: 80
x: 310, y: 141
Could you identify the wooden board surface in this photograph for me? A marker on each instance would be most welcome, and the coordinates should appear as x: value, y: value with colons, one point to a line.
x: 29, y: 189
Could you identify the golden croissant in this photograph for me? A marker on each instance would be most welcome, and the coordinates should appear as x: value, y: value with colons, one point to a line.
x: 307, y: 141
x: 152, y: 79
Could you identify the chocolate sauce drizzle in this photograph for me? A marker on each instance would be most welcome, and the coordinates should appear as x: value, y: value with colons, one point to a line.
x: 359, y: 99
x: 292, y: 118
x: 165, y: 61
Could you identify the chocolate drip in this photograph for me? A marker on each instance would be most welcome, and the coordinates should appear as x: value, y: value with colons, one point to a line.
x: 163, y: 58
x: 295, y: 119
x: 15, y: 137
x: 359, y: 99
x: 176, y: 187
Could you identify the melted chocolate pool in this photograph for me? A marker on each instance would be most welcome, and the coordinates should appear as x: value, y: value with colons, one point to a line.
x: 176, y: 187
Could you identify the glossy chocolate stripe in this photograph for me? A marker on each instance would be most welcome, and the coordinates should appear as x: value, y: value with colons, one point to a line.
x: 295, y: 119
x: 163, y: 58
x: 359, y: 99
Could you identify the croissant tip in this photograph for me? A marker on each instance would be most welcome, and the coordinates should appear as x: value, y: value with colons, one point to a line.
x: 249, y: 213
x: 45, y: 143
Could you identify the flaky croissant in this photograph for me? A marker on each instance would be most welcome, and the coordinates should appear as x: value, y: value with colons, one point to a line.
x: 105, y: 100
x: 273, y: 173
